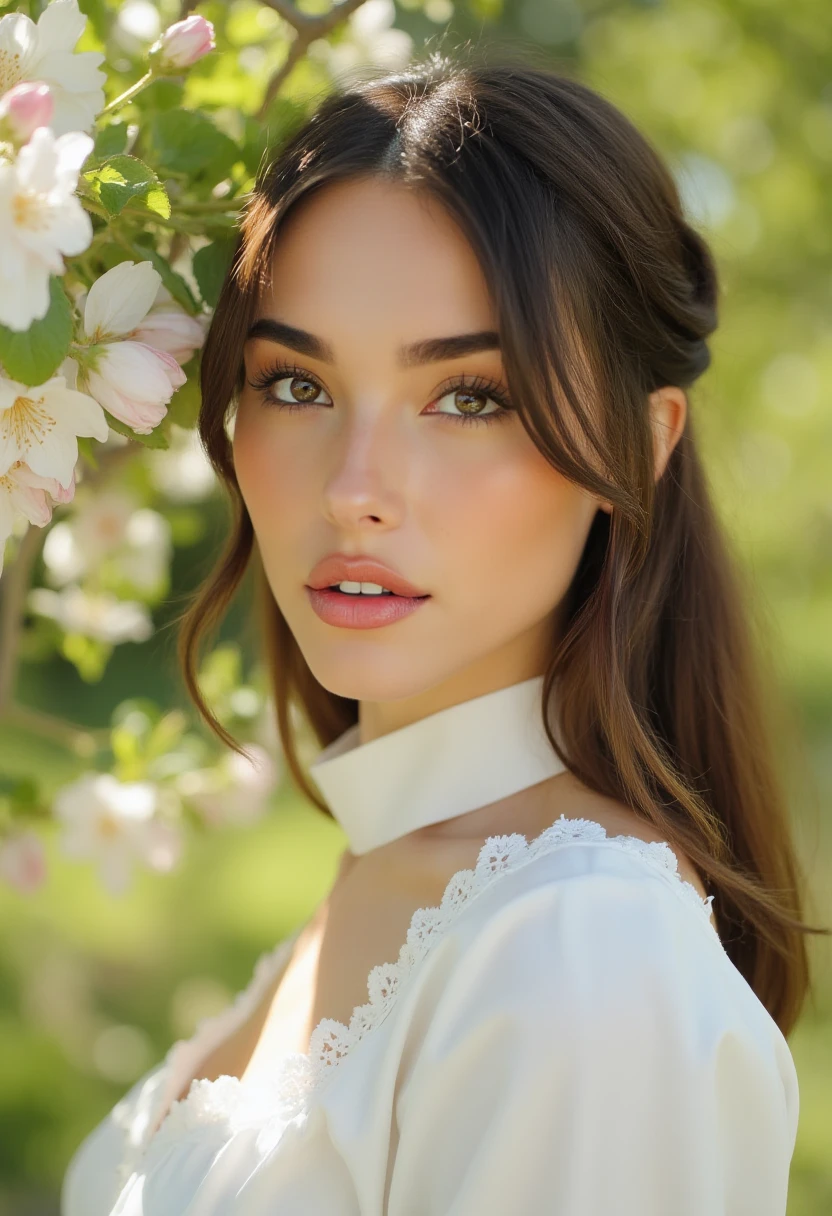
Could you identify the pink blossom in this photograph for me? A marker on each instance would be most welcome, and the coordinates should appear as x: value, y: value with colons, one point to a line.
x: 25, y: 108
x: 182, y: 44
x: 173, y: 330
x: 23, y: 861
x: 135, y: 382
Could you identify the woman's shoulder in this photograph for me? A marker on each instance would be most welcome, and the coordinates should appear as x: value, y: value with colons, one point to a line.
x: 601, y: 949
x: 587, y: 931
x: 614, y: 878
x: 583, y: 1010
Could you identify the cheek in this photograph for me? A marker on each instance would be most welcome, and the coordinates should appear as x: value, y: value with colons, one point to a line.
x: 270, y: 481
x: 516, y: 530
x: 273, y: 488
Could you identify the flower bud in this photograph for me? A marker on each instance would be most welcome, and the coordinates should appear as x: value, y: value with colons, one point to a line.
x: 25, y: 108
x: 182, y: 44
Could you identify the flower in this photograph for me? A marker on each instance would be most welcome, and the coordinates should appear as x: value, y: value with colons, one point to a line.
x: 100, y: 615
x: 23, y: 861
x: 25, y: 494
x: 110, y: 528
x: 44, y: 52
x: 40, y: 426
x: 23, y: 109
x: 144, y: 561
x: 115, y: 823
x: 119, y: 300
x: 131, y: 380
x: 182, y: 44
x: 98, y: 528
x: 135, y: 382
x: 235, y: 791
x: 40, y: 219
x: 168, y: 327
x: 182, y: 472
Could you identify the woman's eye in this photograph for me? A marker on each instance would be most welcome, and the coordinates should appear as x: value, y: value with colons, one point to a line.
x: 470, y: 403
x: 290, y: 388
x: 295, y: 390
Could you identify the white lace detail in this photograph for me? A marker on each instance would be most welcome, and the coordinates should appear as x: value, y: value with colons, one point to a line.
x: 272, y: 1102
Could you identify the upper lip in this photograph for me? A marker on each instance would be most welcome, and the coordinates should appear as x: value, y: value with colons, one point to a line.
x: 341, y: 567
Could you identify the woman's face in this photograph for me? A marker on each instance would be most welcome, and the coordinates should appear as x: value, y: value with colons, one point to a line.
x: 376, y: 458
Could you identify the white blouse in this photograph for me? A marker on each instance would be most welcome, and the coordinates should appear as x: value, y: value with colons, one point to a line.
x: 564, y: 1034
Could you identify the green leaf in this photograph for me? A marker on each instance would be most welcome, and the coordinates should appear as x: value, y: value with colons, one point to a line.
x: 210, y: 265
x: 156, y: 439
x: 174, y: 282
x: 110, y: 140
x: 122, y: 179
x: 157, y: 200
x: 87, y: 655
x: 86, y: 450
x: 183, y: 408
x: 187, y: 142
x: 36, y: 354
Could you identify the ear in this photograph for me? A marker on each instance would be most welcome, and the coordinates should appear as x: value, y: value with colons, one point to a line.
x: 668, y: 411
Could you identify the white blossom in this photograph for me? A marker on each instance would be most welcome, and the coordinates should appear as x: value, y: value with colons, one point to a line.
x: 40, y: 426
x: 99, y: 615
x: 182, y: 472
x: 30, y: 52
x: 119, y: 300
x: 135, y: 382
x: 144, y: 561
x: 110, y: 527
x: 76, y: 547
x: 41, y: 220
x: 25, y: 495
x: 236, y: 790
x: 168, y: 327
x: 132, y: 380
x: 115, y: 824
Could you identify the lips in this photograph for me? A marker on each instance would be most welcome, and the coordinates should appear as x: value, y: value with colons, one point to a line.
x: 340, y: 567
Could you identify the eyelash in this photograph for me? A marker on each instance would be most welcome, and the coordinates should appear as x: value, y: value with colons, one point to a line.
x: 479, y: 384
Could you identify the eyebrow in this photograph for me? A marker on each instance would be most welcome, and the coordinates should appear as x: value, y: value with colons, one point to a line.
x: 429, y: 350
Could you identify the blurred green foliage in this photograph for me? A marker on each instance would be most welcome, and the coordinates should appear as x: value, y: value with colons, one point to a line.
x: 738, y: 96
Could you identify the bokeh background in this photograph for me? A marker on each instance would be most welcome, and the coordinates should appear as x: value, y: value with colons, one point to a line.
x: 738, y: 96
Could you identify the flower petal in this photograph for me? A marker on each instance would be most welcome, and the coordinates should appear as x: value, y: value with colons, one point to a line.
x: 60, y: 25
x: 119, y: 299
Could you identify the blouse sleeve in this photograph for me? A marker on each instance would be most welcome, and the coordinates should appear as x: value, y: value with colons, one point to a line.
x: 596, y: 1053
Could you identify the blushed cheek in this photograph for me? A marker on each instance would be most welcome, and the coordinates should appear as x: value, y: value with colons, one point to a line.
x: 518, y: 531
x: 265, y: 474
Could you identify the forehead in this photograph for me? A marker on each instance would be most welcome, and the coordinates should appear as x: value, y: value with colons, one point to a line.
x: 369, y: 255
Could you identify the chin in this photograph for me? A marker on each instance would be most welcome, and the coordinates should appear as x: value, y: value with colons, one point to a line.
x: 364, y: 676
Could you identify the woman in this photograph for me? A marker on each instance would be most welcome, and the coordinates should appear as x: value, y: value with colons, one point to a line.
x: 459, y: 335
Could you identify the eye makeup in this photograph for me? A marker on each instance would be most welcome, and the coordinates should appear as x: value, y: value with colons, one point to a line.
x: 482, y: 385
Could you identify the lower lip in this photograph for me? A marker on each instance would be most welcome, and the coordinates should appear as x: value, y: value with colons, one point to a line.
x: 362, y: 611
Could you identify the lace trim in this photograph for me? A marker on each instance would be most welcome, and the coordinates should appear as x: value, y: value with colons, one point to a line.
x: 286, y: 1094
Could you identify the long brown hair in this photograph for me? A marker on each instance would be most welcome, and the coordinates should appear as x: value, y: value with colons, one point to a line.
x: 603, y: 292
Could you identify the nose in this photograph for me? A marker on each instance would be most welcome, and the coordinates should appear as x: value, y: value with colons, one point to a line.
x: 365, y: 478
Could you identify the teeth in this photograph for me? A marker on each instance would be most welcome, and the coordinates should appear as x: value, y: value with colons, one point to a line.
x: 363, y: 589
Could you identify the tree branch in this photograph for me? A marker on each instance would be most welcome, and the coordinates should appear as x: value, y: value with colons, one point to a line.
x: 307, y: 29
x: 14, y: 587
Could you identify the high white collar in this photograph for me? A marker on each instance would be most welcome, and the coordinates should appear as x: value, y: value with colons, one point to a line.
x: 451, y: 762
